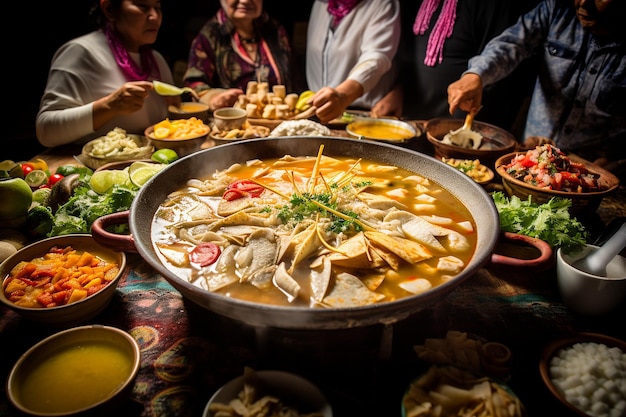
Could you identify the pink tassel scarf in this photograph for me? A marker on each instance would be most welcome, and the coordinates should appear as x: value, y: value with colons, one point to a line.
x: 340, y: 8
x: 442, y: 30
x: 149, y: 68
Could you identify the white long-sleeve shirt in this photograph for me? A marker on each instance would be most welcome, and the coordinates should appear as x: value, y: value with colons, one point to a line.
x: 82, y: 71
x: 362, y: 48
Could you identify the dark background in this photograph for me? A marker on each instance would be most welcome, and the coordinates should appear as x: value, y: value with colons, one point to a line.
x: 34, y: 30
x: 39, y: 28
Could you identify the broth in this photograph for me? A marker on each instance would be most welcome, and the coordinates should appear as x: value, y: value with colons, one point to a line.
x: 373, y: 259
x: 75, y: 377
x: 381, y: 131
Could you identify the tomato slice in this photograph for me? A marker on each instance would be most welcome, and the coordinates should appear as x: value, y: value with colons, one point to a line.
x: 247, y: 186
x: 230, y: 195
x: 204, y: 254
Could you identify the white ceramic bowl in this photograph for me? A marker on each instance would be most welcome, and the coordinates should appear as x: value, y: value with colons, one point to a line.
x: 290, y: 389
x: 586, y: 293
x: 94, y: 372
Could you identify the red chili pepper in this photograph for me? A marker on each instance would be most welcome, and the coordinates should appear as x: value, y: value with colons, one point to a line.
x: 29, y: 281
x: 204, y: 254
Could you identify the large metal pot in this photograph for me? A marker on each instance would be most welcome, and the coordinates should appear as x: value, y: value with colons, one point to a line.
x: 206, y: 162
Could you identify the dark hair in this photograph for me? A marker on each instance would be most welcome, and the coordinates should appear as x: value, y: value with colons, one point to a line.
x: 97, y: 14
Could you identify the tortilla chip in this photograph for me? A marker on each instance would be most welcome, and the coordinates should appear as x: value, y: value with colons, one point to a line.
x: 349, y: 291
x: 410, y: 251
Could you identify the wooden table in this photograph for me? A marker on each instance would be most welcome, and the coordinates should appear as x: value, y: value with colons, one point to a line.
x: 188, y: 352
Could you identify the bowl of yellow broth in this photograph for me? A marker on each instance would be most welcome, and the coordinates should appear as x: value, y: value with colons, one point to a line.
x: 83, y: 371
x: 386, y: 130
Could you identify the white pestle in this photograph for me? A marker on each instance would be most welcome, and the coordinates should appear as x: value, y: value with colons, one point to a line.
x: 595, y: 263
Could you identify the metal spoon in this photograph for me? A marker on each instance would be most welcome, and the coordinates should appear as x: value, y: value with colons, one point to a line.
x: 596, y: 262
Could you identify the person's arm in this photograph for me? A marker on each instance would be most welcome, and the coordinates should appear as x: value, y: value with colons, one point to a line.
x: 500, y: 57
x: 390, y: 105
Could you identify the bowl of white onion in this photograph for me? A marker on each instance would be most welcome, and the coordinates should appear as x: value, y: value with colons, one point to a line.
x: 586, y: 372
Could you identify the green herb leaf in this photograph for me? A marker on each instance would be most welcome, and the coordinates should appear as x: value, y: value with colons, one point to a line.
x: 549, y: 221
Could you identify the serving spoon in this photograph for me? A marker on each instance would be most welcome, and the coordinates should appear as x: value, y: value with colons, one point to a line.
x: 465, y: 136
x: 596, y: 262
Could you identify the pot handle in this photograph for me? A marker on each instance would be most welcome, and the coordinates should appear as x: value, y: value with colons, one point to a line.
x: 110, y: 240
x: 542, y: 261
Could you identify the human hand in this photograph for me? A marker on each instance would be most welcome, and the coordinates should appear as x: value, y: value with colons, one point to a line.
x: 390, y: 105
x: 330, y: 103
x: 466, y: 93
x: 129, y: 98
x: 225, y: 98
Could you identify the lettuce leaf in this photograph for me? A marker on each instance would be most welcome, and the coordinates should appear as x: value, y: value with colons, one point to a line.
x: 549, y: 221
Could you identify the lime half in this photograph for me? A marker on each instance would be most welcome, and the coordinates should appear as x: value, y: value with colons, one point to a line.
x: 102, y: 181
x: 139, y: 175
x: 165, y: 89
x: 36, y: 178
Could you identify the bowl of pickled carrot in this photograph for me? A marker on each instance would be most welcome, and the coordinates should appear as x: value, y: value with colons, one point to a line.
x: 61, y: 281
x: 185, y: 136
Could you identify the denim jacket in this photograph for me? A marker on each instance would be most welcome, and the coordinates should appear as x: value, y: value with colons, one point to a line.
x: 579, y: 98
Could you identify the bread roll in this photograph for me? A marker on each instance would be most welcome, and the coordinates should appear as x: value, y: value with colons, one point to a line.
x: 251, y: 88
x: 252, y: 111
x: 280, y: 91
x: 269, y: 111
x: 291, y: 100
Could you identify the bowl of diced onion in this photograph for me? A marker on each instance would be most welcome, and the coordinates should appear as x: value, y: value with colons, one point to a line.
x: 586, y: 372
x: 115, y: 146
x: 185, y: 136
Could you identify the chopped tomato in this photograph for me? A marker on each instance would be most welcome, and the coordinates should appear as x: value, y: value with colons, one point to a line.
x: 204, y: 254
x: 527, y: 162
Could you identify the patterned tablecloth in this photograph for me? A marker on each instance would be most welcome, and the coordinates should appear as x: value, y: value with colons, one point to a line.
x: 188, y: 352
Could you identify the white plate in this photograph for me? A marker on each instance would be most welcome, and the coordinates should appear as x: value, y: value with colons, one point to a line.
x: 291, y: 389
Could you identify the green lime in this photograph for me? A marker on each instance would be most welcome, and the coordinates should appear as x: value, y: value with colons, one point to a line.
x: 16, y: 197
x: 36, y: 178
x: 164, y: 156
x: 40, y: 195
x: 13, y: 169
x: 141, y: 175
x: 102, y: 181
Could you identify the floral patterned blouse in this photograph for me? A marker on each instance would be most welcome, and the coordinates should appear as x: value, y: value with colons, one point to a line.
x: 218, y: 59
